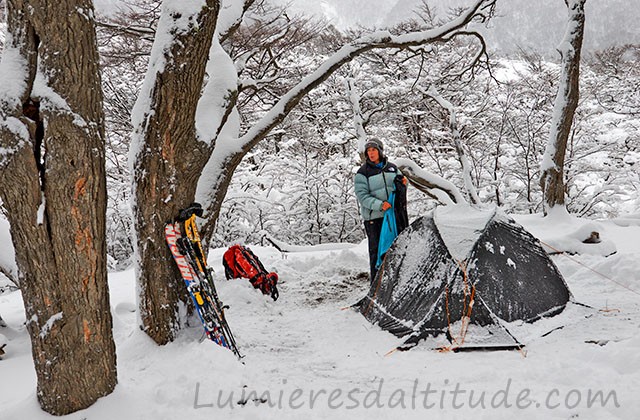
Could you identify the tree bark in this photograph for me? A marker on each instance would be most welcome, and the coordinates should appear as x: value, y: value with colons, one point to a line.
x: 166, y: 169
x: 52, y: 184
x: 552, y: 166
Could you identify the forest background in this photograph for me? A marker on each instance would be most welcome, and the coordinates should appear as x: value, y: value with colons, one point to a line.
x: 296, y: 186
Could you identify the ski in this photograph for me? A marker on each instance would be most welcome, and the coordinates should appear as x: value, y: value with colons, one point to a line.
x: 198, y: 280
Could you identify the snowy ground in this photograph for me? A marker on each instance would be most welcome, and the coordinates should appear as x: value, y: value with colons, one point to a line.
x: 305, y: 355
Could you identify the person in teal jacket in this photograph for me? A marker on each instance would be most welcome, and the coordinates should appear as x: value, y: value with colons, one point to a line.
x: 374, y: 182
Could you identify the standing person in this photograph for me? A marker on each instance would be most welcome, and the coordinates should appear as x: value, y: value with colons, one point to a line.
x: 374, y: 182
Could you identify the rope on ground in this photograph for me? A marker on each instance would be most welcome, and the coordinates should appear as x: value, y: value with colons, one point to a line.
x: 586, y: 266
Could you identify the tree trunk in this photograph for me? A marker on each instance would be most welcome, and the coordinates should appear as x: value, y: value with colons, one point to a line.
x: 52, y: 184
x: 167, y: 166
x: 552, y: 166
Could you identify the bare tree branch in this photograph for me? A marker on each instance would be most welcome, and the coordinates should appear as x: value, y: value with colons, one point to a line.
x: 9, y: 274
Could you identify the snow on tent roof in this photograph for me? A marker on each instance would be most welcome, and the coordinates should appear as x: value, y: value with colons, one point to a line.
x: 460, y: 261
x: 460, y: 226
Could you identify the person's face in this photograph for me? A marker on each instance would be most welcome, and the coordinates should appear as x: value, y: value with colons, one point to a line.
x: 373, y: 154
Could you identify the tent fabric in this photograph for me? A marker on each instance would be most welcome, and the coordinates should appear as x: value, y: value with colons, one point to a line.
x: 421, y: 290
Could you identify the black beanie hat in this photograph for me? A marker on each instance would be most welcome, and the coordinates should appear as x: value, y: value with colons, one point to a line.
x: 374, y: 142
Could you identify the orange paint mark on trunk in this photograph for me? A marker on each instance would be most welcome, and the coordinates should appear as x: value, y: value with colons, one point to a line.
x: 75, y: 212
x: 86, y: 330
x: 80, y: 188
x: 83, y: 238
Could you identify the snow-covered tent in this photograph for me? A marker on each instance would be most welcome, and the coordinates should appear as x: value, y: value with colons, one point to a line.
x: 465, y: 273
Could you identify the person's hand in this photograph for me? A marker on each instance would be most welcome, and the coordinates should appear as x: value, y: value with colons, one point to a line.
x: 404, y: 181
x: 386, y: 206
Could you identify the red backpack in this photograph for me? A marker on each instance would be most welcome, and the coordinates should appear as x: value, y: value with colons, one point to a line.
x: 240, y: 262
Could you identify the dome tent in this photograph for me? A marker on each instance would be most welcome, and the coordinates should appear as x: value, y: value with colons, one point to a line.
x: 464, y: 269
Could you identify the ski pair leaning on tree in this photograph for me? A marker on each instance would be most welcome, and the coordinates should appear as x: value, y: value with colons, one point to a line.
x: 184, y: 243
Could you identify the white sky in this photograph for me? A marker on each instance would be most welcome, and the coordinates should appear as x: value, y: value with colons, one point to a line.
x: 538, y: 24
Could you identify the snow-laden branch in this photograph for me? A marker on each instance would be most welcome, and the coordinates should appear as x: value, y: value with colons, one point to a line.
x: 230, y: 17
x: 455, y: 131
x: 15, y: 86
x: 217, y: 102
x: 10, y: 274
x: 358, y: 119
x: 380, y: 39
x: 14, y: 69
x: 247, y: 83
x: 433, y: 185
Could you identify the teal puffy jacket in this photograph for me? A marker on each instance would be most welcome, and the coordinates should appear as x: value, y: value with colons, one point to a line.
x: 373, y: 186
